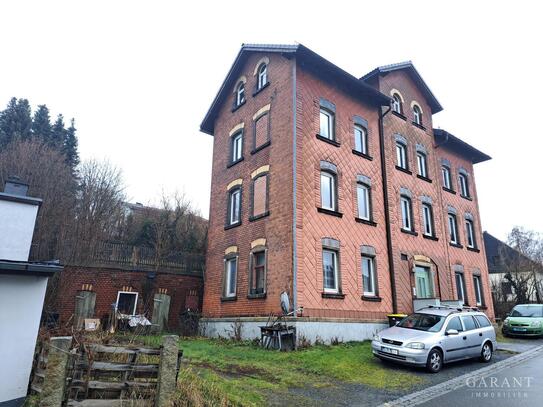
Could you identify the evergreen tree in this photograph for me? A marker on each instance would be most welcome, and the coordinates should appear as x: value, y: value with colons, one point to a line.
x: 41, y: 125
x: 15, y: 121
x: 69, y: 148
x: 58, y: 133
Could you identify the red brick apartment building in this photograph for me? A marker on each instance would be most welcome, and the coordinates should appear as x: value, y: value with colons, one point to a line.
x: 338, y: 191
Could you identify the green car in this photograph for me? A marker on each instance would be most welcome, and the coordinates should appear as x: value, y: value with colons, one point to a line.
x: 524, y: 320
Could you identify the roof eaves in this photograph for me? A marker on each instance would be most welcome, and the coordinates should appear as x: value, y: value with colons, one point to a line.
x: 475, y: 155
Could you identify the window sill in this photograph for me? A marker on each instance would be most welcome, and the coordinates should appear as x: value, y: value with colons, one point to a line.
x: 409, y: 232
x: 422, y: 177
x: 371, y: 298
x: 401, y: 116
x: 231, y: 164
x: 457, y: 245
x: 330, y: 212
x: 361, y: 154
x: 336, y: 296
x: 329, y: 141
x: 256, y: 296
x: 257, y: 217
x: 365, y: 221
x: 234, y: 225
x: 238, y: 106
x: 420, y: 126
x: 404, y: 170
x: 469, y: 198
x: 227, y: 299
x: 473, y: 249
x: 261, y: 147
x: 452, y: 191
x: 430, y: 237
x: 256, y: 92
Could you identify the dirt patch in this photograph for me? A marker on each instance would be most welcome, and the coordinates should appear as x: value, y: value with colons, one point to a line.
x: 236, y: 371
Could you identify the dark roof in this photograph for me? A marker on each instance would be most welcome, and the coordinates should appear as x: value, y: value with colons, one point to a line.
x: 444, y: 138
x: 20, y: 198
x: 308, y: 60
x: 23, y: 268
x: 496, y: 251
x: 408, y: 65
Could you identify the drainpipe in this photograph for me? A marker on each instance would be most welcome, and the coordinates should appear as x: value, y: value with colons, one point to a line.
x: 387, y: 209
x: 294, y: 192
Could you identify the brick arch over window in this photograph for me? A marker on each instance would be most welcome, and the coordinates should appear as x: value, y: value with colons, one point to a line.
x: 415, y: 103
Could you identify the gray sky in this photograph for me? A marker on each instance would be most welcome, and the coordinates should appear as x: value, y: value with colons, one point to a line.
x: 139, y: 76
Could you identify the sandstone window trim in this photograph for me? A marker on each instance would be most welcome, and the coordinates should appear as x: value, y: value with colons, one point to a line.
x: 397, y: 102
x: 471, y: 240
x: 258, y: 271
x: 262, y: 76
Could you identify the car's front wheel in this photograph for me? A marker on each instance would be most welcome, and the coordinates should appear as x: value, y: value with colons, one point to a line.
x: 435, y: 361
x: 486, y: 352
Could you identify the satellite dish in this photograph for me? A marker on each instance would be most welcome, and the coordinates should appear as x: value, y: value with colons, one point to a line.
x: 285, y: 302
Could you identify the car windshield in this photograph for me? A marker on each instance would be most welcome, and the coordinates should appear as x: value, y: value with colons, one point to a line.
x: 423, y: 322
x: 528, y: 311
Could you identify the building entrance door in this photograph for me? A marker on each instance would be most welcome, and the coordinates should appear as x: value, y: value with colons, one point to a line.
x: 423, y: 282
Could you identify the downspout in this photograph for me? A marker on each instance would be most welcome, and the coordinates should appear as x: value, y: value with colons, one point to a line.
x: 294, y: 193
x: 387, y: 209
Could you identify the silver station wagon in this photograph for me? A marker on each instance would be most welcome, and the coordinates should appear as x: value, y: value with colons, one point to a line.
x: 436, y: 335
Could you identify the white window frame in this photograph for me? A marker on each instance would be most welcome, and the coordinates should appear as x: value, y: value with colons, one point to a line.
x: 330, y: 117
x: 417, y: 115
x: 366, y: 201
x: 422, y: 164
x: 237, y: 147
x: 396, y: 103
x: 453, y: 226
x: 228, y: 292
x: 361, y: 134
x: 428, y: 219
x: 478, y: 288
x: 406, y: 211
x: 332, y: 179
x: 240, y: 94
x: 262, y: 75
x: 470, y: 233
x: 335, y: 289
x: 401, y: 155
x: 460, y: 287
x: 127, y: 292
x: 370, y: 261
x: 463, y: 181
x: 232, y: 212
x: 446, y: 175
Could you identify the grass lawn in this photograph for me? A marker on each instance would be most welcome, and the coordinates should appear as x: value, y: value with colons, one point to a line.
x: 241, y: 373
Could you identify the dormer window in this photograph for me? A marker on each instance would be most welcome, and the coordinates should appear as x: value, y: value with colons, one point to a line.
x: 397, y: 103
x: 262, y: 76
x: 240, y: 94
x: 417, y: 115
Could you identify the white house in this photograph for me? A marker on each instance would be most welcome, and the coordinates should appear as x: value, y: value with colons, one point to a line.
x: 22, y: 291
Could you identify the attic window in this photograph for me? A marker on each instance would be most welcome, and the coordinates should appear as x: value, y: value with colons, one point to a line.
x: 397, y: 103
x: 262, y: 76
x: 240, y: 94
x: 417, y: 115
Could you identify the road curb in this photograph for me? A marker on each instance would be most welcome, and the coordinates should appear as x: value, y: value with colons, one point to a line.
x: 440, y: 389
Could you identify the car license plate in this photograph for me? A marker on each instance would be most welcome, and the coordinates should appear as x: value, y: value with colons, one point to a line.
x: 388, y: 350
x: 519, y: 329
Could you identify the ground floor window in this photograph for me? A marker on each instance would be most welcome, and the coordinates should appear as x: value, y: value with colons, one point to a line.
x: 126, y: 302
x: 460, y: 287
x: 424, y: 284
x: 478, y: 290
x: 230, y: 276
x: 368, y: 276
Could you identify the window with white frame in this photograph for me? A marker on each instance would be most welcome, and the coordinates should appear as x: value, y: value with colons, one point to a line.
x: 396, y: 103
x: 453, y: 232
x: 417, y: 115
x: 126, y: 302
x: 470, y: 234
x: 236, y: 147
x: 240, y: 94
x: 328, y: 191
x: 422, y: 164
x: 446, y: 173
x: 326, y: 124
x: 463, y: 182
x: 477, y: 286
x: 368, y: 276
x: 460, y: 287
x: 406, y: 211
x: 427, y: 219
x: 330, y: 270
x: 230, y: 276
x: 401, y: 155
x: 360, y: 139
x: 234, y: 206
x: 363, y: 200
x: 262, y: 76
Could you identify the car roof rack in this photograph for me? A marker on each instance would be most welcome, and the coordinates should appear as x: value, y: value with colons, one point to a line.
x: 453, y: 308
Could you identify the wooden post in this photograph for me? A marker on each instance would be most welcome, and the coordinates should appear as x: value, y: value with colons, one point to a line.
x: 55, y: 374
x: 167, y: 371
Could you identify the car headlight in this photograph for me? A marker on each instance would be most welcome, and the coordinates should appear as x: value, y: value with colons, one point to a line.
x: 415, y: 345
x: 376, y: 338
x: 506, y: 321
x: 537, y: 324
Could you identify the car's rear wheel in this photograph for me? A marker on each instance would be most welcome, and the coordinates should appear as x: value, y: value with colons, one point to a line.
x: 486, y: 352
x: 435, y: 361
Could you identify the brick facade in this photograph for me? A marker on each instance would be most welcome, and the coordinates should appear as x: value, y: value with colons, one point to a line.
x: 294, y: 261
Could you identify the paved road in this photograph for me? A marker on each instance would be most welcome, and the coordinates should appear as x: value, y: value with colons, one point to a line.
x: 519, y: 386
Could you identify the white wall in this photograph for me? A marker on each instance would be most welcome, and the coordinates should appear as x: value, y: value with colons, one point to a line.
x: 16, y: 229
x: 21, y: 301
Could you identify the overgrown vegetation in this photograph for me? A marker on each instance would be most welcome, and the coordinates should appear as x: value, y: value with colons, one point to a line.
x: 224, y: 372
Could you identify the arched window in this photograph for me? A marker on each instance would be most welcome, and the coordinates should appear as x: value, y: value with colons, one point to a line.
x: 417, y: 115
x: 397, y: 103
x: 262, y: 76
x: 240, y: 94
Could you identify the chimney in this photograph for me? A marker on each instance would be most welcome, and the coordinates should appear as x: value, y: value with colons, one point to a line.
x: 14, y: 186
